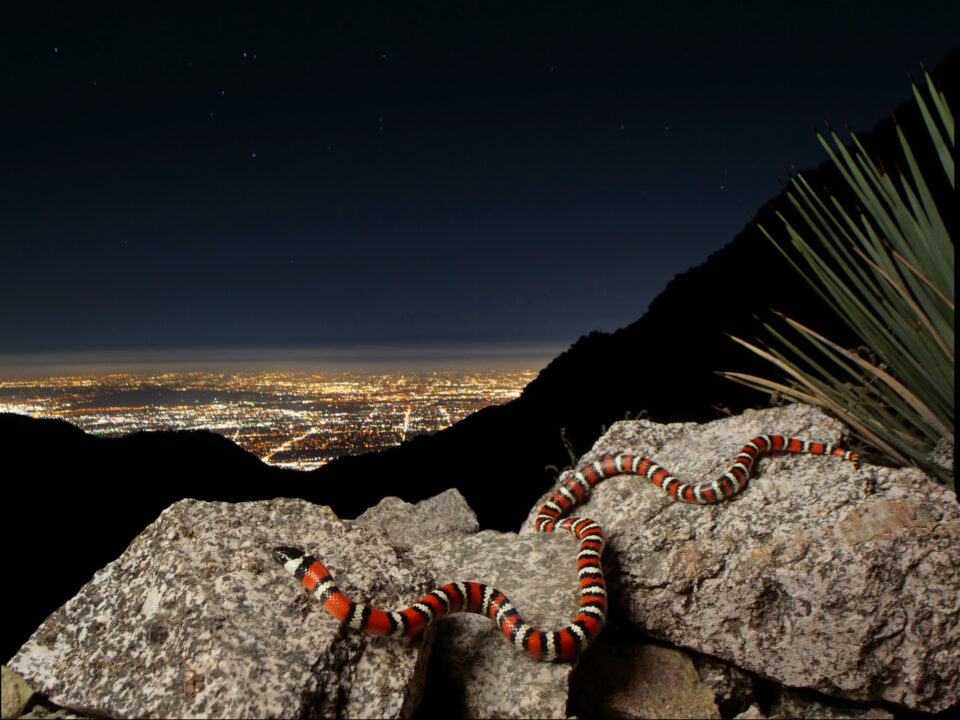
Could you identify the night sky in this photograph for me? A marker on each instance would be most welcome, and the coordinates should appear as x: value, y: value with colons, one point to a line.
x: 405, y: 173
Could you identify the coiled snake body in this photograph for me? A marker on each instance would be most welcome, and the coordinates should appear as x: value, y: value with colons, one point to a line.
x: 566, y: 643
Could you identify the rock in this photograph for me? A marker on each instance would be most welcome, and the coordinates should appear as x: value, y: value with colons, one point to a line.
x: 489, y: 675
x: 791, y: 703
x: 171, y: 628
x: 645, y: 680
x: 751, y: 713
x: 942, y: 454
x: 732, y: 688
x: 196, y: 619
x: 16, y: 693
x: 471, y: 656
x: 474, y: 663
x: 404, y: 525
x: 48, y: 711
x: 810, y: 576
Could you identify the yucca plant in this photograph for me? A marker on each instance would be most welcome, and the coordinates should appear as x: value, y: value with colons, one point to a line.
x: 887, y: 268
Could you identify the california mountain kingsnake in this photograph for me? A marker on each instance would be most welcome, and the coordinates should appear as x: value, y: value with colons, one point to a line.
x: 568, y: 642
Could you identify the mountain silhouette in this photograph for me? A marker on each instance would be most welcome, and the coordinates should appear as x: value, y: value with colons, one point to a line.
x: 75, y: 501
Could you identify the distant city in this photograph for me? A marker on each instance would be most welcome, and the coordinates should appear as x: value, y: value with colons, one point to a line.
x: 289, y: 419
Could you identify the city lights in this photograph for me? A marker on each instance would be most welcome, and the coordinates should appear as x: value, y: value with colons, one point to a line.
x: 294, y: 420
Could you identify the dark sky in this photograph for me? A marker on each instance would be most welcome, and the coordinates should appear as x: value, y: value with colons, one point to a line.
x: 406, y: 173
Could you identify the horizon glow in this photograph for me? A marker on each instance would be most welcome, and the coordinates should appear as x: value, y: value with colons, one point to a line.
x: 365, y: 358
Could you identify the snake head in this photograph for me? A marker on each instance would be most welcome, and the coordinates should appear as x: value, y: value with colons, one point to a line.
x: 284, y: 555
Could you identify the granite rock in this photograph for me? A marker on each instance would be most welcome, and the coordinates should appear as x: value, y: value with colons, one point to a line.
x: 789, y: 703
x: 816, y: 575
x: 942, y: 453
x: 733, y: 689
x: 642, y: 680
x: 16, y: 693
x: 196, y: 619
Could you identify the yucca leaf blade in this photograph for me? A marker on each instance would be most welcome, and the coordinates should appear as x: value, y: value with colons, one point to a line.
x: 887, y: 270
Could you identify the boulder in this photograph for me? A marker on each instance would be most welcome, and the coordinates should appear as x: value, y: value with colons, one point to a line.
x: 786, y: 703
x: 732, y: 688
x: 16, y: 693
x: 196, y: 619
x: 816, y: 575
x: 642, y: 680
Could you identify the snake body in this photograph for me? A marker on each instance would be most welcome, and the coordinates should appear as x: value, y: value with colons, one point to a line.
x: 568, y: 642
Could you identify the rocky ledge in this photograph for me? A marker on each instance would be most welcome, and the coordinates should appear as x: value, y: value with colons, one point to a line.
x: 818, y: 590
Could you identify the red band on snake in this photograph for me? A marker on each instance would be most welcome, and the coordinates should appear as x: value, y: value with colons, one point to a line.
x: 566, y: 643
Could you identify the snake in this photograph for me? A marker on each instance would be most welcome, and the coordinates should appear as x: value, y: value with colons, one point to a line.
x: 567, y: 643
